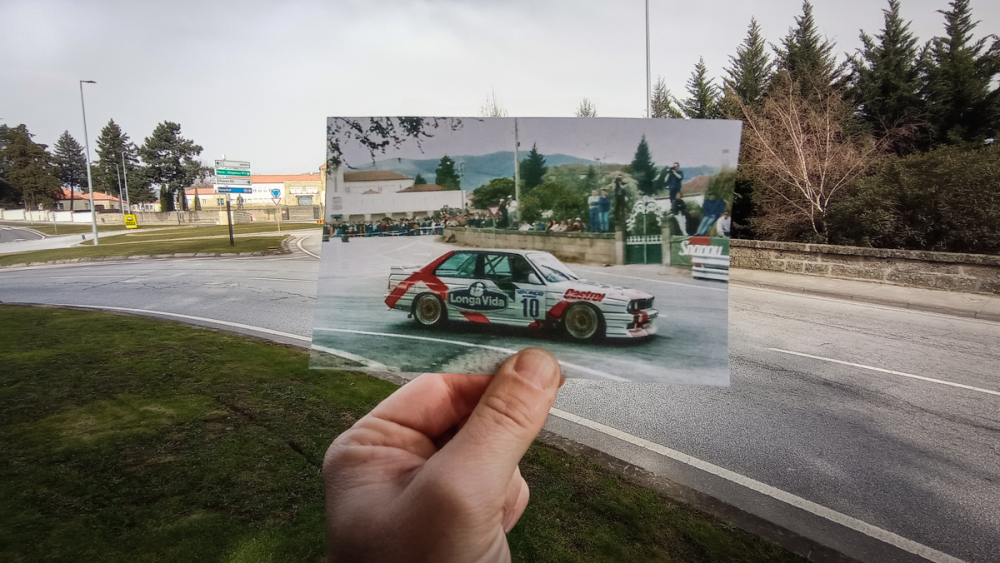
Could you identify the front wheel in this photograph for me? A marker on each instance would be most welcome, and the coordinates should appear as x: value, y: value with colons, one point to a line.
x: 582, y: 322
x: 428, y: 310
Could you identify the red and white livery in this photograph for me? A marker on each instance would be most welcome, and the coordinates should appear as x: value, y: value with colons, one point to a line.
x: 518, y: 288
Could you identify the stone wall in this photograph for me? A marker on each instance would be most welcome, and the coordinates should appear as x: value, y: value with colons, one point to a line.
x: 592, y: 248
x: 970, y: 273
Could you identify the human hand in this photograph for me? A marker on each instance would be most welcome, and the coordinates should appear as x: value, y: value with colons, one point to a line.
x: 430, y: 474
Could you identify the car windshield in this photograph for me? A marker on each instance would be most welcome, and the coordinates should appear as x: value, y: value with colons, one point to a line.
x: 552, y: 269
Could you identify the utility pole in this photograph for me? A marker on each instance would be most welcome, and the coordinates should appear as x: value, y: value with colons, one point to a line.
x: 125, y: 173
x: 648, y: 104
x: 517, y: 169
x: 86, y: 141
x: 121, y: 199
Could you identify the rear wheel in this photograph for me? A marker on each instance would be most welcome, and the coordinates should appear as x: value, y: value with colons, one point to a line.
x: 428, y: 310
x: 582, y: 322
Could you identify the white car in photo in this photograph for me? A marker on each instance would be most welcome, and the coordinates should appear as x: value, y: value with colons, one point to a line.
x: 518, y: 288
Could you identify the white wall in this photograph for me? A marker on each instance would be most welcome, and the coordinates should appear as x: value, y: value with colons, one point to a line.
x: 404, y: 203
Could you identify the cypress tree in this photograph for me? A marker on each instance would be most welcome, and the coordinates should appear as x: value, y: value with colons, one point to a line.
x: 445, y: 174
x: 643, y: 169
x: 532, y: 170
x: 961, y: 105
x: 808, y: 58
x: 71, y: 164
x: 703, y: 96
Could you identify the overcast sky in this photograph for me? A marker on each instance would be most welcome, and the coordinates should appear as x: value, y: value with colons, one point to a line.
x: 255, y: 80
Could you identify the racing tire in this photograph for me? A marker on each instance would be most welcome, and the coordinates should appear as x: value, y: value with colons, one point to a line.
x: 428, y: 310
x: 583, y: 322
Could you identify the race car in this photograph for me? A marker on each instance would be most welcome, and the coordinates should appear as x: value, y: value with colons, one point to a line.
x: 518, y: 288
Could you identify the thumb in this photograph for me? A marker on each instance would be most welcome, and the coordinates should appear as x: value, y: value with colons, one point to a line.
x: 507, y: 419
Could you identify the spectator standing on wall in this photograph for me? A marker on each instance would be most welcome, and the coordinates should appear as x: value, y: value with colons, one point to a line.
x: 724, y: 225
x: 512, y: 210
x: 594, y: 203
x: 674, y: 180
x: 503, y: 213
x: 713, y: 209
x: 605, y: 211
x: 691, y: 222
x: 620, y: 203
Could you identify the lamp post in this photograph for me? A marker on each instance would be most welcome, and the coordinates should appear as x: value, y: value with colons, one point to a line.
x: 648, y: 113
x: 86, y: 142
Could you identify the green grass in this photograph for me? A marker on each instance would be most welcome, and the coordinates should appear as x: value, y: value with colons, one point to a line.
x: 212, y: 245
x: 207, y: 231
x: 64, y: 228
x: 127, y: 439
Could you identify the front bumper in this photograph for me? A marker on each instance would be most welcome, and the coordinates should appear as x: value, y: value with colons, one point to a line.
x: 630, y: 325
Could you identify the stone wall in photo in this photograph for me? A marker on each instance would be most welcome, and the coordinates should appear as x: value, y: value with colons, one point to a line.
x: 589, y: 248
x: 970, y: 273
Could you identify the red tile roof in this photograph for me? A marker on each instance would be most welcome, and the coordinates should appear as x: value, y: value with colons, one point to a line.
x: 84, y: 194
x: 423, y: 188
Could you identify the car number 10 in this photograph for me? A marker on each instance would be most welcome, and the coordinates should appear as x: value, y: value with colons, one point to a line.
x: 530, y: 307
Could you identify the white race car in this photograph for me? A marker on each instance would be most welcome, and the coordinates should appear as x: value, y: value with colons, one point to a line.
x: 518, y: 288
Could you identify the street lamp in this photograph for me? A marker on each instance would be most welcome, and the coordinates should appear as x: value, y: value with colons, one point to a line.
x: 86, y: 142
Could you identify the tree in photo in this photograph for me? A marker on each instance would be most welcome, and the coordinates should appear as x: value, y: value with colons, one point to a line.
x: 885, y: 83
x: 532, y: 170
x: 446, y: 176
x: 30, y: 169
x: 702, y: 101
x: 643, y: 169
x: 378, y: 134
x: 809, y: 59
x: 71, y: 165
x: 748, y: 74
x: 565, y: 203
x: 492, y: 107
x: 171, y: 164
x: 801, y: 157
x: 491, y: 193
x: 662, y: 103
x: 419, y: 180
x: 958, y: 70
x: 586, y: 109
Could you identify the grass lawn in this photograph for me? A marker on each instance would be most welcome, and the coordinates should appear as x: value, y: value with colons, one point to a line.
x: 127, y: 439
x: 246, y: 244
x: 208, y: 231
x: 64, y: 228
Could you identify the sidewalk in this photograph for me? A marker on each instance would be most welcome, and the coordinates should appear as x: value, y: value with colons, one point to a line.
x: 972, y: 305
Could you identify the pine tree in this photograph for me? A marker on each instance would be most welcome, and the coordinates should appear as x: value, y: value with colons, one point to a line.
x: 808, y: 58
x: 170, y: 163
x: 886, y: 79
x: 7, y: 196
x: 30, y: 171
x: 962, y: 107
x: 446, y: 176
x: 643, y: 169
x: 71, y: 164
x: 663, y: 104
x: 111, y: 144
x: 532, y: 171
x: 750, y: 70
x: 419, y: 180
x: 703, y: 96
x: 586, y: 109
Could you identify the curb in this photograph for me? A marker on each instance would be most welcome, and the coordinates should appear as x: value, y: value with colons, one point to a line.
x: 953, y: 311
x: 284, y: 250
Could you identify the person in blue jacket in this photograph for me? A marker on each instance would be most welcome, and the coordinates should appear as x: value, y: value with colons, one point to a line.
x: 604, y: 211
x: 712, y: 210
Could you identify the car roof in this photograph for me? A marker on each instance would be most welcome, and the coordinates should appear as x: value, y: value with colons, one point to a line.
x: 500, y: 251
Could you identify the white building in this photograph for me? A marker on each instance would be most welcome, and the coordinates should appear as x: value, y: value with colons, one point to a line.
x: 366, y: 195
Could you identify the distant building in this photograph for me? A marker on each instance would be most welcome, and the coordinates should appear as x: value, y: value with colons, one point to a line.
x: 293, y: 189
x: 367, y: 195
x: 81, y: 201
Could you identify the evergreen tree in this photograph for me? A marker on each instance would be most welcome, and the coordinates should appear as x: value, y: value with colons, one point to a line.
x: 446, y: 176
x: 7, y: 197
x: 586, y: 109
x: 749, y: 71
x: 703, y: 96
x: 111, y: 144
x: 170, y: 163
x: 532, y: 170
x: 71, y: 164
x: 662, y: 103
x: 643, y: 169
x: 30, y: 171
x: 419, y: 180
x: 808, y: 58
x: 961, y: 104
x: 886, y: 78
x: 590, y: 180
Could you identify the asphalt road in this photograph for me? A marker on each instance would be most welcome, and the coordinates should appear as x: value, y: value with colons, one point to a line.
x: 690, y: 346
x: 918, y: 458
x: 14, y: 234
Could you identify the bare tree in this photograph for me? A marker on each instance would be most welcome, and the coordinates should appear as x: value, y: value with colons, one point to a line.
x: 492, y: 107
x: 586, y: 109
x: 801, y: 159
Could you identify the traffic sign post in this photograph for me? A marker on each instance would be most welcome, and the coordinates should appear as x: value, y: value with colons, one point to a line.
x: 130, y: 222
x: 276, y: 198
x: 229, y: 176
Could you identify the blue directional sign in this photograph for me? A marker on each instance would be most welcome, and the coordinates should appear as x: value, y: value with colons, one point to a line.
x: 276, y: 192
x: 230, y: 190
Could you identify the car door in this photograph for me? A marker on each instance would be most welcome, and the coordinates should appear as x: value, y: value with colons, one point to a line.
x: 512, y: 275
x: 458, y: 272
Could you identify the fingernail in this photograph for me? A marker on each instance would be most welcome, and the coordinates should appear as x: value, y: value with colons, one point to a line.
x: 537, y: 366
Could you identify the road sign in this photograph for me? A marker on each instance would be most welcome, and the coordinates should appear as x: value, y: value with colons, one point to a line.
x: 130, y: 222
x: 276, y: 192
x: 276, y: 200
x: 233, y: 181
x: 229, y: 190
x: 232, y: 165
x: 227, y: 172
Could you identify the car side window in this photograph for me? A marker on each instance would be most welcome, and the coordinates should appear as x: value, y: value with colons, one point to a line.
x: 458, y: 265
x: 521, y: 271
x: 496, y: 267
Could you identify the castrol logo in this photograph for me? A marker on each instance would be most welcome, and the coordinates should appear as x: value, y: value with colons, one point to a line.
x: 583, y: 295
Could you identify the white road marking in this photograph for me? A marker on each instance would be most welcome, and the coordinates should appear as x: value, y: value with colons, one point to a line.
x: 594, y: 372
x: 764, y: 489
x: 691, y: 285
x: 368, y: 363
x: 298, y: 243
x: 893, y: 372
x: 283, y: 279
